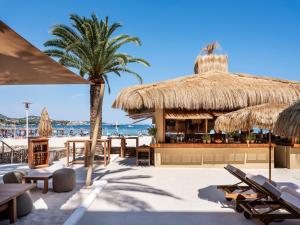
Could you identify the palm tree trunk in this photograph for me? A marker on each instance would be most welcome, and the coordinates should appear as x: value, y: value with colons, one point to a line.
x: 97, y: 94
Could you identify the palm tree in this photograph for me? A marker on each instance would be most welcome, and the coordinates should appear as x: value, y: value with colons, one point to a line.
x: 91, y: 47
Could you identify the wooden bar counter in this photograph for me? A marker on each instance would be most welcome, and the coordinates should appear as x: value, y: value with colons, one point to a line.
x: 287, y: 156
x: 212, y: 155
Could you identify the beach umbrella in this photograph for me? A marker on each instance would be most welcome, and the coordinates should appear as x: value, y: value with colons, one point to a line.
x: 260, y: 116
x: 45, y: 128
x: 288, y: 122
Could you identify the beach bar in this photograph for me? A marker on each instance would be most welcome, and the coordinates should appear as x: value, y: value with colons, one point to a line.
x: 184, y: 111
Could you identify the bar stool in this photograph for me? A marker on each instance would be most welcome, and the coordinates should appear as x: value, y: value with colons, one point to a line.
x: 145, y: 150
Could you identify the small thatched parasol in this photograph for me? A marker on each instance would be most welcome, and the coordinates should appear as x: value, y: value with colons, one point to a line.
x: 288, y: 122
x: 261, y: 116
x: 45, y: 128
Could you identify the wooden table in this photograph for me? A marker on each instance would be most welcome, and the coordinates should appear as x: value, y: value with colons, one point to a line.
x: 143, y: 150
x: 45, y: 177
x: 122, y: 147
x: 87, y: 146
x: 123, y: 143
x: 8, y: 197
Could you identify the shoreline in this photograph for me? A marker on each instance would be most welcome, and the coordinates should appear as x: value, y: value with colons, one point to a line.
x: 59, y: 142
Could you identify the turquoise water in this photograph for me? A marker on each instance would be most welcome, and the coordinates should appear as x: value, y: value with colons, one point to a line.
x: 107, y: 129
x: 73, y: 130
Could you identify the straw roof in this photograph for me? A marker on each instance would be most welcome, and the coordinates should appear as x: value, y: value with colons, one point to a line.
x: 45, y: 128
x: 260, y: 116
x: 209, y: 91
x: 288, y: 122
x: 184, y: 115
x: 22, y: 63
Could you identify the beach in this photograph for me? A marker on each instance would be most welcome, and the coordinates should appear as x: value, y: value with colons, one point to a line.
x: 59, y: 142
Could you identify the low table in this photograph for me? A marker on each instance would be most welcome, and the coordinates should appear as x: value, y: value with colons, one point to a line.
x: 39, y: 176
x: 8, y: 197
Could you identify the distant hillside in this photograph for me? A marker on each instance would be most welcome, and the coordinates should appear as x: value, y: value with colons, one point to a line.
x: 33, y: 120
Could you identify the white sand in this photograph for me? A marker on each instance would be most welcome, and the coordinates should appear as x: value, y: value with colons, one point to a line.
x: 171, y: 196
x: 58, y: 142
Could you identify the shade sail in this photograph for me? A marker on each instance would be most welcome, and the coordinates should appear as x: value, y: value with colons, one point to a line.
x: 22, y: 63
x: 288, y: 122
x: 261, y: 116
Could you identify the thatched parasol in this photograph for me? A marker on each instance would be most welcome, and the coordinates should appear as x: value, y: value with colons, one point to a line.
x: 288, y: 122
x: 213, y: 88
x: 261, y: 116
x: 45, y: 128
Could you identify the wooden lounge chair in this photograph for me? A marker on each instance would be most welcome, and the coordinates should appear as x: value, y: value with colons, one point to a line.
x: 279, y: 205
x: 243, y: 189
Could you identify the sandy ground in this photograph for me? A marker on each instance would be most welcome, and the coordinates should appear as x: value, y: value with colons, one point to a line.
x: 58, y: 142
x: 146, y: 195
x: 170, y: 196
x: 51, y: 208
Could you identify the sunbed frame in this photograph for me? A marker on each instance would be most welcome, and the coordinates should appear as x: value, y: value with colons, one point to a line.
x: 239, y: 189
x: 272, y: 204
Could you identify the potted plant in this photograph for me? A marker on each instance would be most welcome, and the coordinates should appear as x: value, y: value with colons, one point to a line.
x: 252, y: 138
x: 230, y: 137
x: 206, y: 139
x: 248, y: 138
x: 152, y: 132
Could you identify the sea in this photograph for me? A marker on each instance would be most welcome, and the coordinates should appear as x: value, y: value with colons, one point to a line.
x: 107, y: 129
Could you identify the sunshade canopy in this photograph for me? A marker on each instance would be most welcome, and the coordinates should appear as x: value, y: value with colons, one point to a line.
x: 261, y: 116
x: 22, y: 63
x: 288, y: 122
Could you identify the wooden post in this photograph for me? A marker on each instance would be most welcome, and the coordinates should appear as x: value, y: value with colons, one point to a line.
x: 104, y: 151
x: 206, y: 126
x: 67, y: 153
x: 109, y: 148
x: 123, y: 147
x: 293, y: 140
x: 74, y: 151
x: 13, y: 210
x: 270, y: 155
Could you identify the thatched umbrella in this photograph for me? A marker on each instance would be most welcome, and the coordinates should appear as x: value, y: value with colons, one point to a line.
x: 45, y: 128
x: 261, y: 116
x: 288, y: 122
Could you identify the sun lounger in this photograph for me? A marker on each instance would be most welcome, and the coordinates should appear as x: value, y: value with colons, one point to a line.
x: 244, y: 189
x: 278, y: 205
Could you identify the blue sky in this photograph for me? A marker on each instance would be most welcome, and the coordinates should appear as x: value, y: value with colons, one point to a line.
x: 260, y: 37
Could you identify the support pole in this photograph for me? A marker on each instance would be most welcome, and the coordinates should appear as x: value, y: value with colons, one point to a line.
x: 206, y: 126
x: 270, y: 155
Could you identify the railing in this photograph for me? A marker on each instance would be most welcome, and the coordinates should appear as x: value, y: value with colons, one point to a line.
x: 12, y: 151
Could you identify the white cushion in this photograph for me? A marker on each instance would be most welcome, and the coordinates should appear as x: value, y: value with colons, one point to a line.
x: 272, y: 188
x: 259, y: 179
x: 290, y: 191
x: 291, y: 200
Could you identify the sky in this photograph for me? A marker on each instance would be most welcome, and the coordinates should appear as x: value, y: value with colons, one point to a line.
x: 259, y: 37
